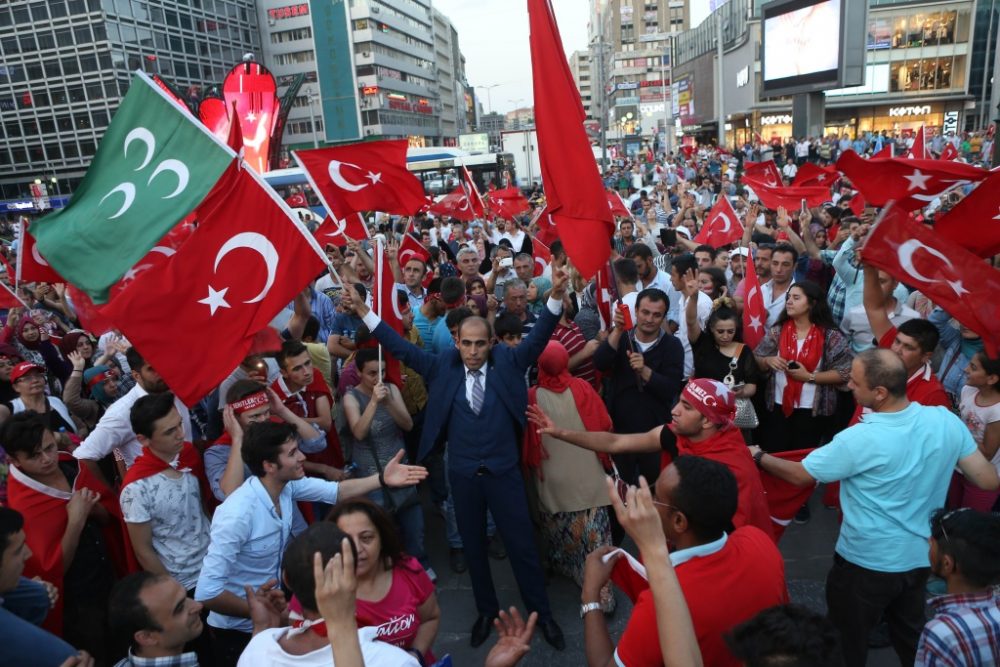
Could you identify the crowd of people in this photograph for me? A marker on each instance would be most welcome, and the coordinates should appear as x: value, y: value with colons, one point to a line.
x: 544, y: 416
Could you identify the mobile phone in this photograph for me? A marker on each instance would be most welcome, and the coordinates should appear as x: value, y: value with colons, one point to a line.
x: 803, y: 204
x: 668, y: 237
x: 792, y: 365
x: 628, y: 324
x: 506, y: 262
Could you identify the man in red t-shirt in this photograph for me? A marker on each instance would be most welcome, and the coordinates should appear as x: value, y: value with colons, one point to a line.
x: 726, y: 579
x: 702, y: 426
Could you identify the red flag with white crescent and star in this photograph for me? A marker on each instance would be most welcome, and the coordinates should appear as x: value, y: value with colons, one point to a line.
x: 456, y: 204
x: 31, y: 266
x: 617, y: 204
x: 789, y: 197
x: 722, y: 225
x: 946, y: 273
x: 949, y: 152
x: 508, y: 202
x: 543, y: 256
x: 974, y: 223
x: 813, y: 174
x: 385, y: 303
x: 248, y: 258
x: 762, y: 172
x: 476, y: 199
x: 606, y: 294
x: 337, y: 232
x: 911, y: 183
x: 410, y: 248
x: 754, y: 312
x: 369, y: 176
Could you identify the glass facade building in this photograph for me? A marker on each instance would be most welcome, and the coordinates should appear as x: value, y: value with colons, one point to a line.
x: 65, y: 65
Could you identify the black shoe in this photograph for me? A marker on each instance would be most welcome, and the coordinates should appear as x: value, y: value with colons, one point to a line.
x: 553, y: 634
x: 481, y: 630
x: 457, y: 561
x: 803, y: 515
x: 496, y: 549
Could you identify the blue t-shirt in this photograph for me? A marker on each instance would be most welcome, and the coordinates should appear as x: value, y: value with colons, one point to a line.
x: 441, y: 340
x: 424, y: 326
x: 894, y: 469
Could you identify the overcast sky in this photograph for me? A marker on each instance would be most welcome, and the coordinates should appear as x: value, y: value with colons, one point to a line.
x: 493, y: 36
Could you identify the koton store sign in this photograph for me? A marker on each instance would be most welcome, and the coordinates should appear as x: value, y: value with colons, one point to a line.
x: 897, y: 112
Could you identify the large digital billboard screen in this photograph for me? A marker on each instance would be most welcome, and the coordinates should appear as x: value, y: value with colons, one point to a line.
x: 806, y: 45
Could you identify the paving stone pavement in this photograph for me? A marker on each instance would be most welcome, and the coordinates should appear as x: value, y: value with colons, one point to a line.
x: 808, y: 550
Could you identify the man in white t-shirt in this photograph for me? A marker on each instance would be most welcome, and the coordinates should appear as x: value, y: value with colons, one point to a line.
x: 650, y: 276
x: 681, y: 268
x: 774, y: 291
x: 114, y: 431
x: 160, y: 499
x: 301, y: 645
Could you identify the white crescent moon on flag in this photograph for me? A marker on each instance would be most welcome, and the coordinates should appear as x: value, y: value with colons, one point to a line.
x: 339, y: 180
x: 729, y: 223
x: 180, y: 170
x: 146, y: 137
x: 905, y: 255
x: 128, y: 191
x: 341, y: 226
x: 164, y: 250
x: 259, y: 244
x: 37, y: 256
x: 753, y: 290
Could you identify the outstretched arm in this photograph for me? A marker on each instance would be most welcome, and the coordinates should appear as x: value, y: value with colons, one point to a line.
x: 874, y: 301
x: 597, y: 441
x: 422, y: 362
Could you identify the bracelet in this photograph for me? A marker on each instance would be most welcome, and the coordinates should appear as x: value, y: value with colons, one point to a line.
x: 417, y: 654
x: 76, y: 371
x: 758, y: 456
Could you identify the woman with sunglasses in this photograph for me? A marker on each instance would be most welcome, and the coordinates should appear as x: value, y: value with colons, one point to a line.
x: 29, y: 381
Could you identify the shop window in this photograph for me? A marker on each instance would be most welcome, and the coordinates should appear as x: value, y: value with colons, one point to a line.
x: 924, y: 74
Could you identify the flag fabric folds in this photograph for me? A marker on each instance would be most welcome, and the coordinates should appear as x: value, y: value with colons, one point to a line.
x: 246, y: 261
x: 31, y: 266
x: 910, y: 183
x: 949, y: 275
x: 974, y: 223
x: 574, y: 193
x: 507, y: 202
x: 368, y: 176
x: 155, y: 164
x: 722, y: 225
x: 784, y: 499
x: 456, y: 204
x: 754, y: 312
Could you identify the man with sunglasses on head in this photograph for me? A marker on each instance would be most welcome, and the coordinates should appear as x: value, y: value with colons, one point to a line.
x: 894, y: 468
x: 701, y: 425
x: 727, y: 576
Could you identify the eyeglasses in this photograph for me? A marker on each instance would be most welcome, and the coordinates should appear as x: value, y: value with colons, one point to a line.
x: 941, y: 522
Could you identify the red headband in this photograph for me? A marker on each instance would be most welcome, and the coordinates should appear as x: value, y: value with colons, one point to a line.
x: 98, y: 379
x: 249, y: 402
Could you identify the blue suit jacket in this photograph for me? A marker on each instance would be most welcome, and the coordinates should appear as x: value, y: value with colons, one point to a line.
x: 444, y: 375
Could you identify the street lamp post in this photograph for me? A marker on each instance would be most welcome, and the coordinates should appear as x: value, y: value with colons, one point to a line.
x: 489, y: 100
x: 311, y: 93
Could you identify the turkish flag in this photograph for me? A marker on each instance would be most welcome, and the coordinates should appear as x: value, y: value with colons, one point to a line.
x: 765, y: 173
x: 456, y: 204
x: 508, y: 202
x: 918, y: 151
x: 949, y: 152
x: 722, y: 225
x: 754, y: 312
x: 974, y: 223
x: 87, y: 313
x: 410, y: 248
x: 248, y: 258
x: 251, y: 92
x: 784, y: 500
x: 858, y: 204
x: 296, y: 200
x: 617, y: 204
x: 574, y: 193
x: 31, y: 266
x: 475, y: 199
x: 910, y: 183
x: 337, y: 232
x: 164, y: 249
x: 886, y: 151
x: 813, y: 174
x: 946, y: 273
x: 543, y: 256
x: 607, y: 294
x: 386, y: 306
x: 370, y: 176
x: 789, y: 197
x: 547, y: 233
x: 8, y: 299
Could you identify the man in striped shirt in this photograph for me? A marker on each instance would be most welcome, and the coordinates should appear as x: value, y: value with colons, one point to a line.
x: 965, y: 629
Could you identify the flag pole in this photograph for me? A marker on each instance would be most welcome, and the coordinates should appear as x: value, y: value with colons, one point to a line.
x: 379, y: 259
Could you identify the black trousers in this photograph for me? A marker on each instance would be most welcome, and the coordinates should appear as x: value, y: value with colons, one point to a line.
x: 858, y: 598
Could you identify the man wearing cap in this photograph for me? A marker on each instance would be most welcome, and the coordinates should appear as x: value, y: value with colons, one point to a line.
x: 114, y: 431
x: 409, y: 278
x: 702, y: 425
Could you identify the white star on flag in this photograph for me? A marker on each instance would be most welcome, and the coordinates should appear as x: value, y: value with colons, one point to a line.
x: 216, y: 299
x: 957, y: 286
x: 374, y: 177
x: 755, y: 323
x: 997, y: 216
x: 917, y: 180
x: 251, y: 117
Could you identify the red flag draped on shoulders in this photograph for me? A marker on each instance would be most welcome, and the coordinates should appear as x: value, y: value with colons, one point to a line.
x: 45, y: 520
x: 148, y: 464
x: 574, y: 193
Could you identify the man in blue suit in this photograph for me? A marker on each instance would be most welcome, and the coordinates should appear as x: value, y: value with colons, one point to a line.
x: 478, y: 405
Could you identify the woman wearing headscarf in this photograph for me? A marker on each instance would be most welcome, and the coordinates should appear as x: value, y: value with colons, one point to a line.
x: 537, y: 293
x: 33, y: 344
x: 99, y: 382
x: 572, y: 495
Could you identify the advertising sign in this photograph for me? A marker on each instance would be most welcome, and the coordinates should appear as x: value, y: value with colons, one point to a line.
x: 474, y: 143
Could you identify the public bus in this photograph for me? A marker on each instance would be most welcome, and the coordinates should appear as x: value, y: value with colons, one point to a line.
x: 437, y: 167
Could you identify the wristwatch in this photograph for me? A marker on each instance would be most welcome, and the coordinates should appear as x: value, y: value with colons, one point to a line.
x: 758, y: 456
x: 812, y: 377
x: 589, y: 607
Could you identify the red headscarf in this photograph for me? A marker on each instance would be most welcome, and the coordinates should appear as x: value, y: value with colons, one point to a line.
x: 553, y: 375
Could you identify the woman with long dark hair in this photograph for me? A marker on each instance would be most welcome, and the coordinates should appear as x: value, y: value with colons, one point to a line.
x: 808, y: 358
